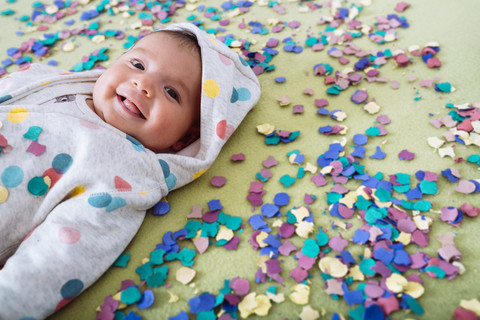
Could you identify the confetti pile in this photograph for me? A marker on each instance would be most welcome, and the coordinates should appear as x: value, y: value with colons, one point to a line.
x: 371, y: 245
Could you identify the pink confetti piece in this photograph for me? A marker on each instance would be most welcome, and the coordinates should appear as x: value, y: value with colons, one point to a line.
x: 465, y: 186
x: 395, y: 84
x: 337, y: 243
x: 218, y: 181
x: 232, y: 244
x: 270, y: 162
x: 238, y: 157
x: 36, y: 148
x: 286, y: 248
x: 401, y: 6
x: 240, y: 286
x: 201, y: 244
x: 383, y: 119
x: 196, y: 213
x: 406, y: 155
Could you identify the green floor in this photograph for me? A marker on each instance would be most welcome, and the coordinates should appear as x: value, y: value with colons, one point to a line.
x: 453, y: 25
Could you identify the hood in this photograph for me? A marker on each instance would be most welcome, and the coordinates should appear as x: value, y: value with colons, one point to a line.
x: 229, y: 91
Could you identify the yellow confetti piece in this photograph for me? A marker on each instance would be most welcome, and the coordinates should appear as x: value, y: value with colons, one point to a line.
x: 185, y: 275
x: 265, y: 128
x: 212, y: 40
x: 117, y: 297
x: 261, y: 263
x: 17, y: 115
x: 247, y: 305
x: 414, y: 289
x: 371, y: 107
x: 143, y: 193
x: 76, y: 191
x: 263, y: 305
x: 304, y: 228
x: 308, y: 313
x: 435, y: 142
x: 224, y: 234
x: 356, y: 273
x: 349, y: 199
x: 300, y: 213
x: 404, y: 238
x: 3, y: 194
x: 99, y: 38
x: 422, y: 222
x: 472, y: 305
x: 260, y: 237
x: 311, y: 168
x: 277, y: 298
x: 396, y: 283
x: 67, y: 47
x: 300, y: 294
x: 333, y: 267
x: 173, y: 297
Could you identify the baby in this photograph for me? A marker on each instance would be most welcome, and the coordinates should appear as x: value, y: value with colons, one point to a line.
x: 84, y: 155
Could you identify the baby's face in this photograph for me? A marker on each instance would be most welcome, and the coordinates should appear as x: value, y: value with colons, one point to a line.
x: 152, y: 92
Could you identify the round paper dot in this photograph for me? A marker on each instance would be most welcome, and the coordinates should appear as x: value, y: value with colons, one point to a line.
x: 62, y: 162
x: 68, y: 235
x: 12, y: 176
x: 211, y: 88
x: 17, y: 115
x: 147, y: 300
x: 71, y: 288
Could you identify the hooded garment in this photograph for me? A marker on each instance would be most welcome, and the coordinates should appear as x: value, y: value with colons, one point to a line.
x: 74, y: 190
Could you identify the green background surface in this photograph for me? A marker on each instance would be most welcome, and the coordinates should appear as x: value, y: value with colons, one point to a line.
x: 453, y: 24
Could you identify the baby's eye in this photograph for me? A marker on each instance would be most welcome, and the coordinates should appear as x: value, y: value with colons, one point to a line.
x: 172, y: 93
x: 137, y: 64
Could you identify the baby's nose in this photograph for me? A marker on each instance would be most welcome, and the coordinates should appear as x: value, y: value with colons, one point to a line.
x: 142, y: 87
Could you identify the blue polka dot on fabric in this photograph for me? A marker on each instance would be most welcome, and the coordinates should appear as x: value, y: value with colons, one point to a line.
x: 62, y: 162
x: 71, y: 288
x: 12, y: 176
x: 100, y: 200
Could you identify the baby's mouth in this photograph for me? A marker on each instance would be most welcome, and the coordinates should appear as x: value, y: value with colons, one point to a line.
x: 131, y: 107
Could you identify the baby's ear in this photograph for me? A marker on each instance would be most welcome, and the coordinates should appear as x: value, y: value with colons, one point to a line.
x: 192, y: 135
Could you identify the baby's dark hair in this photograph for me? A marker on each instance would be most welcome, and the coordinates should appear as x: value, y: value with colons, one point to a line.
x: 186, y: 38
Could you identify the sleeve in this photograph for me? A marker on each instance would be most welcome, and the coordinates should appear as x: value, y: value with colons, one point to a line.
x: 76, y: 243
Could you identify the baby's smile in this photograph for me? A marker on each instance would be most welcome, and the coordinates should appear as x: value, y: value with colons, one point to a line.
x: 130, y: 107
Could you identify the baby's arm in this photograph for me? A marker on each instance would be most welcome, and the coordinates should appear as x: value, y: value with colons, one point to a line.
x: 65, y: 254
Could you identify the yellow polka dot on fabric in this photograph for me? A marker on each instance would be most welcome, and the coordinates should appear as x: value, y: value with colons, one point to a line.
x: 3, y: 194
x: 17, y: 115
x: 77, y: 191
x: 199, y: 174
x: 211, y: 88
x: 212, y: 40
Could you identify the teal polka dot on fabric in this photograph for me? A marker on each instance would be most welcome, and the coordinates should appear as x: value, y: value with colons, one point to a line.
x: 71, y: 288
x: 62, y: 162
x: 170, y: 178
x: 37, y: 186
x: 243, y: 61
x: 5, y: 98
x: 12, y: 176
x: 115, y: 204
x: 241, y: 94
x: 99, y: 200
x: 136, y: 144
